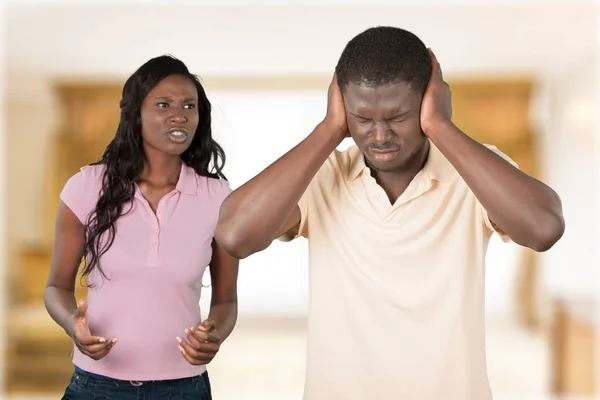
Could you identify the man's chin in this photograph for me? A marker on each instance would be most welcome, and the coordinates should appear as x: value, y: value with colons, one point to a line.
x: 384, y: 166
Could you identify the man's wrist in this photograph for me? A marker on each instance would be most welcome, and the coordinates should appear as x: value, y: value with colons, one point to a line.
x: 335, y: 132
x: 439, y: 127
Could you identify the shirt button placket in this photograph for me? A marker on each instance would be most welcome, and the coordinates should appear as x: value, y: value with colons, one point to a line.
x: 154, y: 241
x: 153, y: 253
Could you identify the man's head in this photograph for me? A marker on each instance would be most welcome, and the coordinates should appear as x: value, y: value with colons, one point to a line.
x: 382, y: 74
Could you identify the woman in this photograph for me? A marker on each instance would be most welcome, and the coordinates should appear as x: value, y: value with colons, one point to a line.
x: 143, y: 218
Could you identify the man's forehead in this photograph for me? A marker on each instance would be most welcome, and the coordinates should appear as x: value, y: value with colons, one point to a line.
x: 387, y: 96
x: 378, y: 90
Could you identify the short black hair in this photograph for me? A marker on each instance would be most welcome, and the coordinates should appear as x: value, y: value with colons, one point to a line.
x: 383, y: 55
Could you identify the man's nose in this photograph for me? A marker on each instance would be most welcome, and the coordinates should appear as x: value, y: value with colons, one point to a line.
x: 380, y: 133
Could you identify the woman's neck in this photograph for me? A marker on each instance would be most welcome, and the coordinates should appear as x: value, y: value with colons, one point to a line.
x: 161, y: 169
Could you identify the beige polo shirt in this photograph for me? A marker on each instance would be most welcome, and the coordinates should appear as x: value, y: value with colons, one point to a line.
x: 396, y: 304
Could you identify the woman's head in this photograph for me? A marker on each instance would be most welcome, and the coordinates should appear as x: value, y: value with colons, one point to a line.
x: 169, y: 116
x: 164, y: 109
x: 164, y: 112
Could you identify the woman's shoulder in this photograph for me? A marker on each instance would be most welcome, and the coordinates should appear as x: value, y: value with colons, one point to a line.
x: 88, y: 176
x: 214, y: 186
x: 90, y: 172
x: 82, y: 190
x: 216, y: 182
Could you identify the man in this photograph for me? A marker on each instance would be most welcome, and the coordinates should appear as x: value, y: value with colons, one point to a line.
x: 398, y: 227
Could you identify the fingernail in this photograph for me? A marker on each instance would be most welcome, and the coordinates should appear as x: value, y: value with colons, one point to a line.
x: 181, y: 349
x: 192, y: 328
x: 102, y: 340
x: 115, y: 340
x: 187, y: 331
x: 178, y: 339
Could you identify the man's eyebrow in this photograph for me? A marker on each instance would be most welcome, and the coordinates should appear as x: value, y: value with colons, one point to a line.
x: 357, y: 116
x: 398, y: 115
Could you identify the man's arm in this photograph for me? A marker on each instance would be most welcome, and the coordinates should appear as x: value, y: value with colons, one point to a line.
x: 265, y: 207
x: 527, y: 210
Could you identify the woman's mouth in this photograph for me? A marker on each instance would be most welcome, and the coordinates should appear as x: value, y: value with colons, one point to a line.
x: 178, y: 136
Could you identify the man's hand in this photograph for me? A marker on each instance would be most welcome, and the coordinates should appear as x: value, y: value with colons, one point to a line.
x: 94, y: 347
x: 202, y: 344
x: 336, y: 112
x: 436, y: 107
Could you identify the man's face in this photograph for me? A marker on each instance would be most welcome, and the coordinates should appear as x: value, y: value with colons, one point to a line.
x: 384, y: 122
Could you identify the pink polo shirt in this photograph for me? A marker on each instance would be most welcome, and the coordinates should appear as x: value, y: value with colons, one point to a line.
x: 155, y: 268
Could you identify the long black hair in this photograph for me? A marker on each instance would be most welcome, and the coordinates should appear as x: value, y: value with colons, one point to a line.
x: 124, y: 156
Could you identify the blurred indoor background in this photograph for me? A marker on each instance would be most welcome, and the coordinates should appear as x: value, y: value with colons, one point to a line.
x: 524, y: 77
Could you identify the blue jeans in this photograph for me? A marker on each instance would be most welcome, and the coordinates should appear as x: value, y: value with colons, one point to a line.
x: 86, y: 386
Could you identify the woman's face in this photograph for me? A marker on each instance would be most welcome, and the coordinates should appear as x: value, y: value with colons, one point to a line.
x: 169, y: 115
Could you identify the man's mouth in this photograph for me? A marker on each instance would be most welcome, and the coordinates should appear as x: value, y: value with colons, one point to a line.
x: 383, y: 154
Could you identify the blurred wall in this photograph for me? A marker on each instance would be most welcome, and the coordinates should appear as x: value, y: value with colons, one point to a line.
x: 567, y: 115
x: 109, y: 41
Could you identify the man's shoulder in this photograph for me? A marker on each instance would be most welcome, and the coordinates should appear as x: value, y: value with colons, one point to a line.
x: 501, y: 154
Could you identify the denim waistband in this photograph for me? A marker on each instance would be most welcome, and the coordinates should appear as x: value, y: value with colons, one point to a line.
x: 82, y: 372
x: 133, y: 382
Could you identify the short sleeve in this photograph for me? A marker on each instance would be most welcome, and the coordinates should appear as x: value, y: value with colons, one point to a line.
x: 332, y: 172
x: 300, y: 229
x: 489, y: 224
x: 81, y: 192
x: 222, y: 189
x: 329, y: 174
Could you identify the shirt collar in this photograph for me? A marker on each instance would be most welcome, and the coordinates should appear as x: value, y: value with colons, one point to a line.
x: 437, y: 167
x: 187, y: 183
